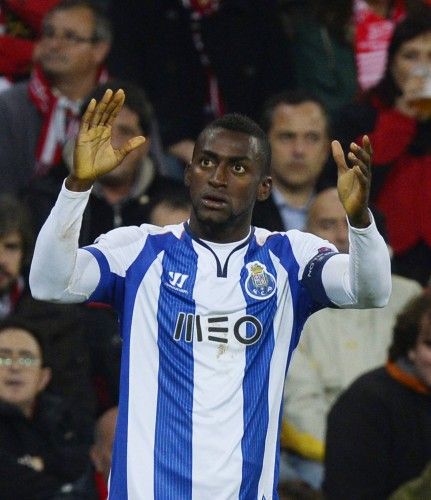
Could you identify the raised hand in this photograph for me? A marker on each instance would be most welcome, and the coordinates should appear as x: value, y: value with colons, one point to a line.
x: 94, y: 155
x: 354, y: 182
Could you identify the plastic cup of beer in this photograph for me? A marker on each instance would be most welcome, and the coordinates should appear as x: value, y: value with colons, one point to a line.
x: 421, y: 102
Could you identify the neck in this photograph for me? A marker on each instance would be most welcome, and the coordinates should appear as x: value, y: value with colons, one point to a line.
x: 295, y: 197
x: 218, y: 233
x: 74, y: 88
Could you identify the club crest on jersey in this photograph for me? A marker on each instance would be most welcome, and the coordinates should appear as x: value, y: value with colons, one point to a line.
x: 260, y: 284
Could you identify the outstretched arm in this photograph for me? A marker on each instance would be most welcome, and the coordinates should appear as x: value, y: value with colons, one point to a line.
x: 363, y: 278
x: 60, y: 271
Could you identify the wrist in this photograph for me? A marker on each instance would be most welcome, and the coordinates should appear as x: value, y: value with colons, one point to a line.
x: 74, y: 184
x: 360, y: 220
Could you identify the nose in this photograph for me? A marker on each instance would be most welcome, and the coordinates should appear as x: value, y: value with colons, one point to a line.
x: 219, y: 176
x: 298, y: 146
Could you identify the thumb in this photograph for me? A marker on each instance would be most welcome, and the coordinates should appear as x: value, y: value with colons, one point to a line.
x: 130, y: 145
x: 338, y: 155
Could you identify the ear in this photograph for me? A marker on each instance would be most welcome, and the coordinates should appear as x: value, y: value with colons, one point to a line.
x: 187, y: 174
x: 100, y: 51
x: 44, y: 378
x: 264, y: 188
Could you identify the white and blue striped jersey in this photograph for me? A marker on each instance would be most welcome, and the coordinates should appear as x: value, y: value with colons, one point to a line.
x: 206, y: 345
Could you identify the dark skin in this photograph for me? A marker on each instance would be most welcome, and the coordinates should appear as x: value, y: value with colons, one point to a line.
x: 225, y: 176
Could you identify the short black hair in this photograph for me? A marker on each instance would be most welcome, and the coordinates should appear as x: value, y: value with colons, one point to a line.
x: 407, y: 326
x: 291, y: 98
x: 21, y: 323
x: 135, y: 99
x: 242, y: 123
x: 14, y: 216
x: 102, y: 24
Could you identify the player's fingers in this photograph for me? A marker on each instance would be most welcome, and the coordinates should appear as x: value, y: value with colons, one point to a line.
x: 110, y: 108
x: 100, y: 108
x: 116, y: 108
x: 363, y: 180
x: 355, y: 161
x: 130, y: 145
x: 338, y: 155
x: 363, y: 154
x: 366, y: 144
x: 85, y: 120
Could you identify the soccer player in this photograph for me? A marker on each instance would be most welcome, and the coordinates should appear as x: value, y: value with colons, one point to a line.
x: 210, y: 309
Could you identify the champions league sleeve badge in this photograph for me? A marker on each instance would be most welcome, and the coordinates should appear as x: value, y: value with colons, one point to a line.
x: 259, y: 284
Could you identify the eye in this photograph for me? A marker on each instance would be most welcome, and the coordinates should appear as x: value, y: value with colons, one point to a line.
x: 238, y: 168
x: 206, y: 163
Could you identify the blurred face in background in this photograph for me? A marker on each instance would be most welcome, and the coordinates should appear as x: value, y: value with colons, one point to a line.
x: 300, y: 144
x: 22, y: 376
x: 412, y: 55
x: 327, y: 219
x: 11, y: 256
x: 125, y: 127
x: 420, y: 355
x: 67, y: 47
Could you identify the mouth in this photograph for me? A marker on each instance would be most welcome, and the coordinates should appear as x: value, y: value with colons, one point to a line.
x: 13, y: 383
x: 214, y: 201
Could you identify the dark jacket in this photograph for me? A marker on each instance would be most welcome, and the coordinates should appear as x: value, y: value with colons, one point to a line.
x: 51, y: 434
x: 245, y: 44
x: 267, y: 215
x: 378, y: 437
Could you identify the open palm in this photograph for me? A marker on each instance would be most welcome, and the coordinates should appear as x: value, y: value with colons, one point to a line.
x: 354, y: 182
x: 94, y: 155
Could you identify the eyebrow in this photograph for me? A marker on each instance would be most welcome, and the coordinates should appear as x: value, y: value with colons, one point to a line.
x: 234, y: 158
x: 22, y: 352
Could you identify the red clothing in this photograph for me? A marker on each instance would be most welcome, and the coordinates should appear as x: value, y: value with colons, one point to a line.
x: 404, y: 198
x: 21, y: 23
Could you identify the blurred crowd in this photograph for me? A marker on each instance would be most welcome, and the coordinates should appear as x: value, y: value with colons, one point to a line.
x: 357, y: 400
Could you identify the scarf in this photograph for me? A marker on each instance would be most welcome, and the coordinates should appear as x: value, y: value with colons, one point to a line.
x: 214, y: 106
x: 403, y: 372
x: 373, y: 34
x: 60, y: 119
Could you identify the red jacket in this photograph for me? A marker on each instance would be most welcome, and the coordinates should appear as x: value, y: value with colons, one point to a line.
x: 405, y: 197
x: 21, y: 21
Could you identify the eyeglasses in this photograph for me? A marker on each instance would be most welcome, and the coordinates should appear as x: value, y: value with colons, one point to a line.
x: 22, y: 362
x: 69, y: 37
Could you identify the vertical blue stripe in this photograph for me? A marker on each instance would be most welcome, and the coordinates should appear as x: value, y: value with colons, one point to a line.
x: 134, y: 277
x: 173, y: 440
x: 256, y: 379
x: 302, y: 301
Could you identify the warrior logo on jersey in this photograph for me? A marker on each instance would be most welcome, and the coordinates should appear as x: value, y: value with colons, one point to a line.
x: 260, y: 284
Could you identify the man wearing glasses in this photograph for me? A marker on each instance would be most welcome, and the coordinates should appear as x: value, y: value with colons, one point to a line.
x: 74, y: 42
x: 42, y: 450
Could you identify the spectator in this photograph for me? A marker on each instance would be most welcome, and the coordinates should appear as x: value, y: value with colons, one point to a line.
x: 125, y: 195
x: 336, y: 347
x: 43, y: 449
x: 297, y: 127
x: 378, y: 430
x: 340, y: 46
x: 101, y: 451
x: 16, y: 243
x: 172, y: 208
x: 400, y: 135
x: 74, y: 42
